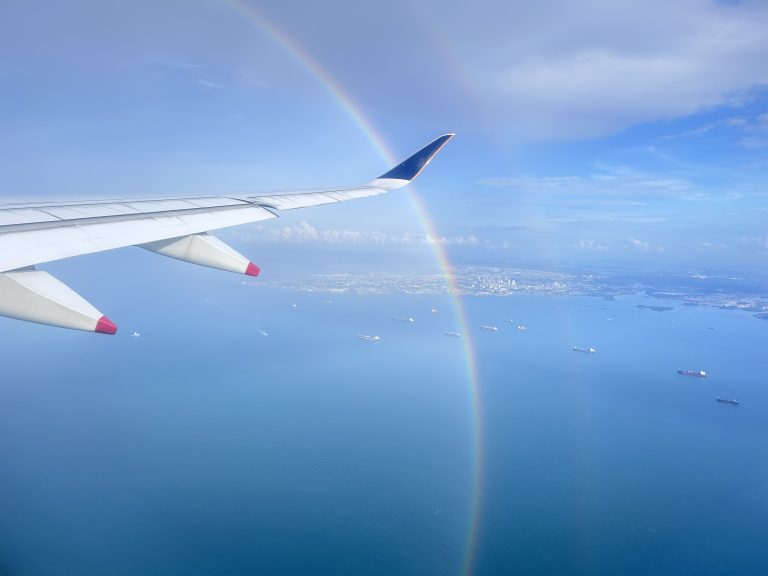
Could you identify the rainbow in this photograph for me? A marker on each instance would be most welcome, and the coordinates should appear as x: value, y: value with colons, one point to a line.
x: 356, y: 115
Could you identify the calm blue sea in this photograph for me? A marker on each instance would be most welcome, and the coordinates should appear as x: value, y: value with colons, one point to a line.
x: 206, y: 447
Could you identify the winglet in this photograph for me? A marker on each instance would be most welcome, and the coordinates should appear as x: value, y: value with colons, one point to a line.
x: 410, y: 168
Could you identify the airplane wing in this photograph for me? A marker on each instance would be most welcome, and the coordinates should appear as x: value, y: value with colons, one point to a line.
x: 32, y: 234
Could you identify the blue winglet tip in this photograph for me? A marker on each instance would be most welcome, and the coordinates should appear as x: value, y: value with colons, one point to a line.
x: 410, y: 168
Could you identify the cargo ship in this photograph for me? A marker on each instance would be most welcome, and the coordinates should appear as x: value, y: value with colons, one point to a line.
x: 728, y: 401
x: 589, y: 350
x: 453, y: 334
x: 696, y: 373
x: 368, y: 338
x: 488, y: 328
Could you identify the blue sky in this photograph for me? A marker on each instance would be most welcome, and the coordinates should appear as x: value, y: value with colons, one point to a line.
x: 589, y: 133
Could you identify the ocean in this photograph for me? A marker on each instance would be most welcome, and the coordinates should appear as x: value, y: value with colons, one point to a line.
x: 247, y: 430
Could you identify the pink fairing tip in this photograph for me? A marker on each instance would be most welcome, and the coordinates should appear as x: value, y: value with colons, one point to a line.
x: 105, y: 326
x: 252, y: 269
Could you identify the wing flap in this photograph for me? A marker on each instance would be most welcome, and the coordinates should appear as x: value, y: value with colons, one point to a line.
x: 24, y: 216
x: 89, y: 211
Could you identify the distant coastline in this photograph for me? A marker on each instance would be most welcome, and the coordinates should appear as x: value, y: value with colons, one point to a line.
x: 723, y: 292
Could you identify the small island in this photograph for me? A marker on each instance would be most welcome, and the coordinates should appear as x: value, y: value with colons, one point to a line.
x: 654, y: 308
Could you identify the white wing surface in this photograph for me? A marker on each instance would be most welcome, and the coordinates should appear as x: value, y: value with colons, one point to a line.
x: 32, y: 234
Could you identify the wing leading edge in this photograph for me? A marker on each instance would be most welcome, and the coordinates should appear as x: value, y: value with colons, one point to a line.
x: 32, y: 234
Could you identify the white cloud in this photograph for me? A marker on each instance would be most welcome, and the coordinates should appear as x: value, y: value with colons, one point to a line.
x: 640, y: 244
x: 761, y: 242
x: 306, y: 232
x: 182, y: 64
x: 607, y: 180
x: 534, y: 183
x: 644, y: 245
x: 252, y: 80
x: 207, y: 84
x: 560, y: 69
x: 744, y: 125
x: 708, y: 246
x: 470, y: 240
x: 584, y: 244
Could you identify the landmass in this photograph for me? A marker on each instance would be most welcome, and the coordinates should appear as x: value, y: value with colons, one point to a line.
x: 654, y: 308
x: 469, y: 280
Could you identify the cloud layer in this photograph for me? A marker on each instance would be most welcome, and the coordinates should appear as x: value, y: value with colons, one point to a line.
x: 558, y: 69
x: 306, y: 232
x: 553, y: 69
